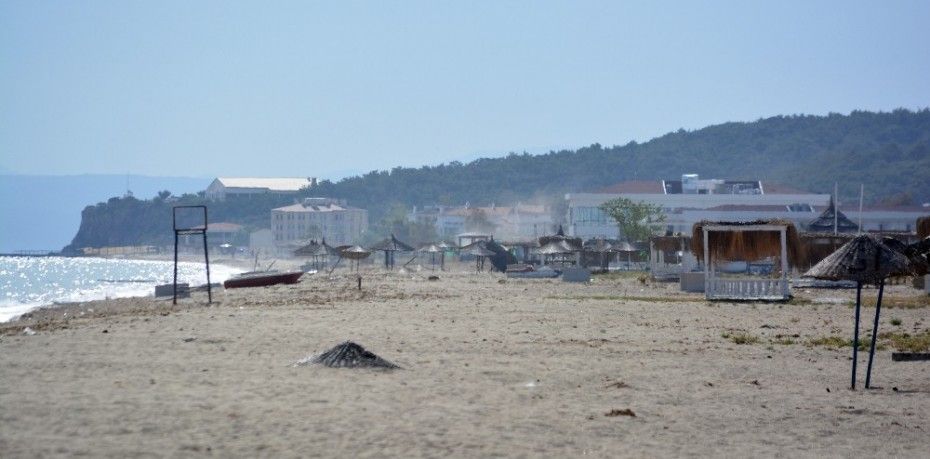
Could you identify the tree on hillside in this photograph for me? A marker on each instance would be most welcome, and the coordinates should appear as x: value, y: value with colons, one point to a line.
x: 637, y: 221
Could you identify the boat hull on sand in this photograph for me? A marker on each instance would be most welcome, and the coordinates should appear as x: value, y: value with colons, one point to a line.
x: 263, y: 279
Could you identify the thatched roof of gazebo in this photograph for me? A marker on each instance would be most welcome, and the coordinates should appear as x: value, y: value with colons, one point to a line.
x: 671, y: 243
x: 864, y: 259
x: 574, y: 242
x: 555, y: 248
x: 746, y: 245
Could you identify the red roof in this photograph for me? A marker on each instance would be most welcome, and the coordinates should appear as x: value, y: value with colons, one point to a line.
x: 634, y: 187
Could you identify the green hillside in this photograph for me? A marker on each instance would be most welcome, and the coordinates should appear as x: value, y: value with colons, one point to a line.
x: 887, y: 152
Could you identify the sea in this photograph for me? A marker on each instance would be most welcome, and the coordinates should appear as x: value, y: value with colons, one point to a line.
x: 27, y: 283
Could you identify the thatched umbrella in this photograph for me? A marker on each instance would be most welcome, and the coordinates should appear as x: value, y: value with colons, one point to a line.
x: 479, y: 251
x: 432, y: 250
x: 865, y: 260
x: 356, y: 253
x: 445, y: 246
x: 389, y: 246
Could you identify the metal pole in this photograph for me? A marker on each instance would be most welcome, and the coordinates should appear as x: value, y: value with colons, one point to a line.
x: 878, y: 310
x: 206, y: 257
x: 856, y: 334
x: 175, y: 299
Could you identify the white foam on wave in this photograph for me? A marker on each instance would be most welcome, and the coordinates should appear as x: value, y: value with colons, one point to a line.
x: 30, y: 283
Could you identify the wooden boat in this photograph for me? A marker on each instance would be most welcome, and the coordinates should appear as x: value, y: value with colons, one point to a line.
x: 262, y: 279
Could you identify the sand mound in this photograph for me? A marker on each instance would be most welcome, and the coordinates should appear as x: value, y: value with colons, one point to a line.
x: 348, y: 355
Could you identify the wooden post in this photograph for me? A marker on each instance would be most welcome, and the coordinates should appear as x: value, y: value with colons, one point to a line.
x: 784, y: 262
x: 707, y: 270
x: 856, y: 334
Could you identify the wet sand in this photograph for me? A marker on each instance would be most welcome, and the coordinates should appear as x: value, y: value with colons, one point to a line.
x: 491, y: 367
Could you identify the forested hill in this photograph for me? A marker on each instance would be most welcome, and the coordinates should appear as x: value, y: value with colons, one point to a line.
x: 887, y: 152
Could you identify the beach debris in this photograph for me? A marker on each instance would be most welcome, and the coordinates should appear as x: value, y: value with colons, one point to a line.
x: 618, y: 385
x: 433, y: 278
x: 348, y: 355
x: 189, y: 339
x: 624, y: 412
x: 29, y: 331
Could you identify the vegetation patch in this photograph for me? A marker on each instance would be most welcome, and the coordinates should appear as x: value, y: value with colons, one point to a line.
x: 905, y: 342
x: 837, y: 342
x: 896, y: 302
x: 741, y: 337
x: 656, y: 299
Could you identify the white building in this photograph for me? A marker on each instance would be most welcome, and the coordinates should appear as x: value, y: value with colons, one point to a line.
x: 316, y: 218
x: 511, y: 223
x: 225, y: 187
x: 690, y: 200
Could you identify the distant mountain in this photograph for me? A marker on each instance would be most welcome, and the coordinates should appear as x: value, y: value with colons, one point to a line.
x: 44, y: 211
x: 887, y: 152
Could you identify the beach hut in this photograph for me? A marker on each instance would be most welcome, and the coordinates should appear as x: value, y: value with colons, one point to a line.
x: 718, y: 242
x: 865, y: 260
x: 600, y: 248
x: 669, y: 256
x: 390, y: 246
x: 628, y: 249
x: 556, y: 251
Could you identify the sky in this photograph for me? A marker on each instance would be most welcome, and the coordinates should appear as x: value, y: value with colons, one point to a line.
x: 306, y: 88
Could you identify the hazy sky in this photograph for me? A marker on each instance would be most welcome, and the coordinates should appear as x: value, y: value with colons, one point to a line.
x: 305, y: 88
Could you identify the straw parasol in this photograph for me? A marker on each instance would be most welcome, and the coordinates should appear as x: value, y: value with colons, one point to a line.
x: 432, y: 250
x: 479, y: 251
x: 389, y: 246
x: 866, y: 260
x: 356, y: 253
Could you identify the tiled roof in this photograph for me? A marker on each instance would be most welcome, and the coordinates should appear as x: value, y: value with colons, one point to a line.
x: 311, y: 208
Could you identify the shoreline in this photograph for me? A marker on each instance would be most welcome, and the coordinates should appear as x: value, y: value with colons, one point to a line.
x: 20, y: 309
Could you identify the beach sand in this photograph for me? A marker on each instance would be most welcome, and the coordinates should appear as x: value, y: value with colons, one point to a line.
x: 491, y: 367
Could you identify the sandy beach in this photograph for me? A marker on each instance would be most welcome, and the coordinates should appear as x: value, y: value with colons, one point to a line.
x: 492, y: 367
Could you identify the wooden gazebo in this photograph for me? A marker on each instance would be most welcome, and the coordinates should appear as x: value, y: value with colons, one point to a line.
x: 732, y: 241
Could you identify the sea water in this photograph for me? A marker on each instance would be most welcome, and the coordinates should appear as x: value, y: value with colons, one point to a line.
x: 27, y: 283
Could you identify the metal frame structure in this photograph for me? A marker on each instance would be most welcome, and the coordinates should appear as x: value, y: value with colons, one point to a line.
x: 202, y: 230
x: 745, y: 289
